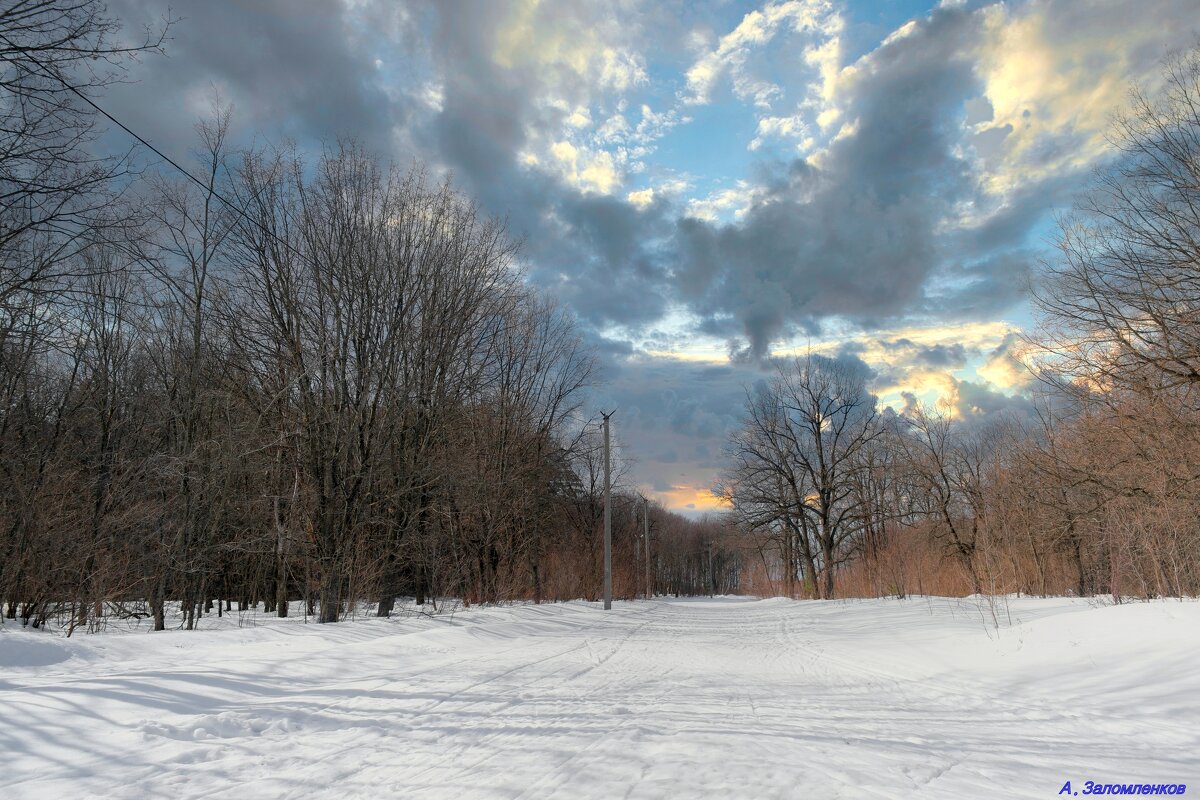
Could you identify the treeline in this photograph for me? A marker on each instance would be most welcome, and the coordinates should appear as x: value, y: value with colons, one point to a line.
x: 1097, y: 499
x: 271, y: 379
x: 1097, y: 490
x: 338, y: 387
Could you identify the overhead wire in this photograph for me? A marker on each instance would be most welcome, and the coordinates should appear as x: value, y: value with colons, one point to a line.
x: 53, y: 75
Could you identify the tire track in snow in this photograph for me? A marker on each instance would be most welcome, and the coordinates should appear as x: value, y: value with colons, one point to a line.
x: 487, y: 740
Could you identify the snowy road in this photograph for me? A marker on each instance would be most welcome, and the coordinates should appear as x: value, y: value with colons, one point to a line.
x: 700, y: 698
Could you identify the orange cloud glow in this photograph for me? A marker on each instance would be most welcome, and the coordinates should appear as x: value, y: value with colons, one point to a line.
x: 690, y: 498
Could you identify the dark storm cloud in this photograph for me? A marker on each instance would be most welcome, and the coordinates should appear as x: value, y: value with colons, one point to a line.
x: 307, y: 72
x: 854, y: 237
x: 981, y: 289
x: 604, y: 261
x: 598, y: 253
x: 987, y: 267
x: 938, y: 356
x: 860, y: 235
x: 290, y: 69
x: 676, y: 402
x: 977, y: 402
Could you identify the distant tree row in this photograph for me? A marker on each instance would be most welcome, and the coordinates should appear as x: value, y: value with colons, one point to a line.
x: 1101, y: 494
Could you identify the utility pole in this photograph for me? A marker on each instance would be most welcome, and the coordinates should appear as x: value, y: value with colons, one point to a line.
x: 607, y: 519
x: 712, y: 579
x: 646, y: 537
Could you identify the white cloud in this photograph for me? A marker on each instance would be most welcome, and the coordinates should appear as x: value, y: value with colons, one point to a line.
x: 674, y: 186
x: 755, y: 30
x: 584, y: 59
x: 827, y: 58
x: 1006, y: 365
x: 588, y: 171
x: 793, y: 127
x: 621, y: 70
x: 595, y: 47
x: 894, y: 352
x: 641, y: 198
x: 828, y: 117
x: 724, y: 203
x: 1056, y: 75
x: 579, y: 118
x: 615, y: 128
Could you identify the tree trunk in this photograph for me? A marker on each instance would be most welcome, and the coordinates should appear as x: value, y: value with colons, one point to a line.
x: 330, y: 597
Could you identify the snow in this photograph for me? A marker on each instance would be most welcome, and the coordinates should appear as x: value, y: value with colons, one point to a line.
x: 722, y: 697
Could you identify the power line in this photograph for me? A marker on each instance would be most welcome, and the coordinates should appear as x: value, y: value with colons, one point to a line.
x: 211, y: 190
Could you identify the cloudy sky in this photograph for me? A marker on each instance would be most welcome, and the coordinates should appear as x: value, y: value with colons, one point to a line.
x: 709, y: 184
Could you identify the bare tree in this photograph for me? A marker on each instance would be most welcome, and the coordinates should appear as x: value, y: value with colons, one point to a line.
x: 55, y: 194
x: 951, y: 466
x: 798, y: 455
x: 190, y: 227
x: 1121, y: 304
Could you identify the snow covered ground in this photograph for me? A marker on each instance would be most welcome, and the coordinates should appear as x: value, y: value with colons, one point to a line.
x: 673, y: 698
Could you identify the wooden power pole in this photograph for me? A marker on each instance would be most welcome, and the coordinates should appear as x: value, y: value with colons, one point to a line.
x: 607, y: 519
x: 646, y: 537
